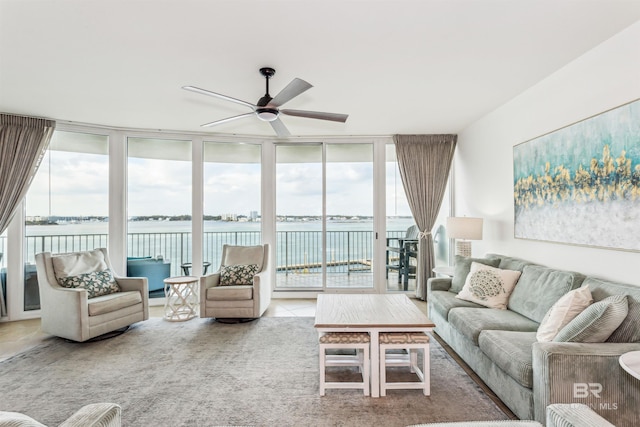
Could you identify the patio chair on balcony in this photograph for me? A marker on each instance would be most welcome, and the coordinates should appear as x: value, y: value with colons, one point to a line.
x: 79, y: 300
x: 241, y: 288
x: 154, y: 269
x: 400, y: 252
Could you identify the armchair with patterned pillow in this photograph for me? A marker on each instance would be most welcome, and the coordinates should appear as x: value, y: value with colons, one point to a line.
x: 241, y: 288
x: 81, y: 297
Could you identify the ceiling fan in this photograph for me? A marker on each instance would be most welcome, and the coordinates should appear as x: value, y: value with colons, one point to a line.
x: 268, y: 109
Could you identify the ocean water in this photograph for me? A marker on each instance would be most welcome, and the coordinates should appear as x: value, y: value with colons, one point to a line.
x: 298, y: 242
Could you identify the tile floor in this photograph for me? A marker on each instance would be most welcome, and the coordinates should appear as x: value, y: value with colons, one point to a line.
x: 21, y: 335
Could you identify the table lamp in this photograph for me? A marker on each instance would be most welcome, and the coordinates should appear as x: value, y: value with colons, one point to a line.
x: 465, y: 229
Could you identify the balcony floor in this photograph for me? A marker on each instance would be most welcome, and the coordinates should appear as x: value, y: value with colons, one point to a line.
x: 359, y: 280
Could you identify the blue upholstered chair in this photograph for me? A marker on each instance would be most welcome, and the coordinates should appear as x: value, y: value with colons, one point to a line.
x: 155, y: 270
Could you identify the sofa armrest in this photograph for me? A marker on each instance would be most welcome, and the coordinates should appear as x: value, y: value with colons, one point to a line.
x: 587, y: 373
x: 438, y: 284
x: 574, y: 415
x: 96, y: 415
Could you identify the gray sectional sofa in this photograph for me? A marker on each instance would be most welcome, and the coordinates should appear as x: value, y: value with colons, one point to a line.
x: 501, y: 346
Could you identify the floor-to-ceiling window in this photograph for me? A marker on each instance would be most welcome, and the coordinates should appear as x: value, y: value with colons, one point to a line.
x: 319, y: 199
x: 349, y: 215
x: 324, y: 209
x: 66, y: 206
x: 232, y: 198
x: 299, y: 212
x: 159, y: 208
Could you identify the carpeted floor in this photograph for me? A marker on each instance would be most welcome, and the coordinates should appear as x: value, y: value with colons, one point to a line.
x: 203, y: 373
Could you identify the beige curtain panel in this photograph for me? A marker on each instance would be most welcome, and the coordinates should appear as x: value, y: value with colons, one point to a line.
x: 23, y: 142
x: 424, y: 162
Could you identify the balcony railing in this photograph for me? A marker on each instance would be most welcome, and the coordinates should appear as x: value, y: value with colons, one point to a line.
x: 296, y: 251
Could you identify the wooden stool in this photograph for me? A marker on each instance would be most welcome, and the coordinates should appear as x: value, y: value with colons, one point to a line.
x: 412, y: 342
x: 358, y: 341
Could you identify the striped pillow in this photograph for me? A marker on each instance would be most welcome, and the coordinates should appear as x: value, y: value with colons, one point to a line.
x: 597, y: 322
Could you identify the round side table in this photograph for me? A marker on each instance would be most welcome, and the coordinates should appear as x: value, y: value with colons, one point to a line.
x: 181, y: 301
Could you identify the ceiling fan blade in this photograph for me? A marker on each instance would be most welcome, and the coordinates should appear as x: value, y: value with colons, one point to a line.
x: 293, y: 89
x: 280, y: 128
x: 228, y: 119
x: 218, y: 95
x: 334, y: 117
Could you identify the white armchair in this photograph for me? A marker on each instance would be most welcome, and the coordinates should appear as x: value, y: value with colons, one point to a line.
x: 243, y: 301
x: 70, y: 313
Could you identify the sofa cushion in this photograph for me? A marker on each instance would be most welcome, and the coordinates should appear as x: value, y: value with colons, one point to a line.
x: 230, y: 293
x: 462, y: 268
x: 539, y: 288
x: 243, y: 255
x: 629, y: 330
x: 443, y: 301
x: 597, y: 322
x: 489, y: 286
x: 562, y: 312
x: 112, y: 302
x: 511, y: 352
x: 471, y: 321
x: 510, y: 263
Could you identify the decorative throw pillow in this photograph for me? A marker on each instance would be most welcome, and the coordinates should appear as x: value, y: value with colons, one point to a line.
x: 76, y: 263
x: 96, y: 283
x: 462, y: 268
x: 237, y: 274
x: 597, y: 322
x: 489, y: 286
x: 562, y: 312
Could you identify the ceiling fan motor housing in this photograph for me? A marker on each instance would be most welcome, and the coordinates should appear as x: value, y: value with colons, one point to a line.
x: 267, y: 114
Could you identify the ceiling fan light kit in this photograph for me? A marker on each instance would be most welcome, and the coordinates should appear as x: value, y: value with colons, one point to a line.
x: 267, y: 108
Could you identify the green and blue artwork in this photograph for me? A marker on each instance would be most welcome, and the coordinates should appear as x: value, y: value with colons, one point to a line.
x: 581, y: 184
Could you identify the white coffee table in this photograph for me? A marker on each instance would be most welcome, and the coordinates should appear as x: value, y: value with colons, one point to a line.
x: 372, y: 313
x: 181, y: 301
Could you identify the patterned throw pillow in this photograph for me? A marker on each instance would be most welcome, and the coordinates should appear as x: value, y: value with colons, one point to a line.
x: 462, y: 268
x: 489, y: 286
x: 97, y: 283
x: 237, y: 274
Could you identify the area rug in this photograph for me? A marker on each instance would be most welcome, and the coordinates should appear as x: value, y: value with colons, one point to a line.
x: 204, y: 373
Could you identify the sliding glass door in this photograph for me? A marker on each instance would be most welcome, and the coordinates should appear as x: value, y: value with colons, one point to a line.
x: 349, y: 215
x: 324, y: 211
x: 299, y: 216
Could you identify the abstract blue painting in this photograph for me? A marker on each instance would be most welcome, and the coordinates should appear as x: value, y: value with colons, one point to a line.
x: 581, y: 184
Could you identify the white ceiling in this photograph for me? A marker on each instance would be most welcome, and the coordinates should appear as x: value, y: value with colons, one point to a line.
x: 395, y: 66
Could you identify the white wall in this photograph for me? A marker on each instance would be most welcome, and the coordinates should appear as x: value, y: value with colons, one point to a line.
x: 603, y: 78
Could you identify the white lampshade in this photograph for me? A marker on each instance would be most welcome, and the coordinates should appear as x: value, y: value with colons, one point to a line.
x: 464, y: 228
